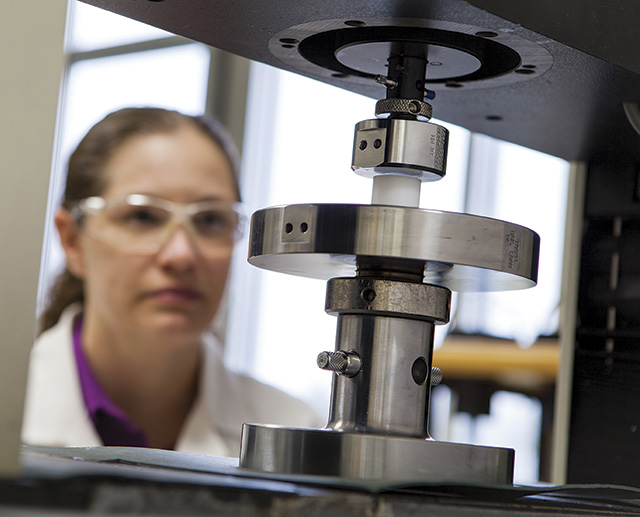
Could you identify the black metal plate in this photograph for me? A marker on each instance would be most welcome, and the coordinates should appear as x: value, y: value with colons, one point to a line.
x: 574, y: 110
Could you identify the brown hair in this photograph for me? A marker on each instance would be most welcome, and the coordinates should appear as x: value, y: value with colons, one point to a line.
x: 85, y: 175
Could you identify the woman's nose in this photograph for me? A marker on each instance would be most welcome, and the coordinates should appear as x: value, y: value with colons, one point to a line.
x: 179, y: 251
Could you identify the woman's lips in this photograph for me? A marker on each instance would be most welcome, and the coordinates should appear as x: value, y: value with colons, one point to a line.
x: 176, y: 295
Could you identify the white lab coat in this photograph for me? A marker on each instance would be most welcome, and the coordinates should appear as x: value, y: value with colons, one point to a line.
x: 55, y: 413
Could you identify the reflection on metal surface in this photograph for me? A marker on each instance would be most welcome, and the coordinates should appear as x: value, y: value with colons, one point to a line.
x: 458, y: 251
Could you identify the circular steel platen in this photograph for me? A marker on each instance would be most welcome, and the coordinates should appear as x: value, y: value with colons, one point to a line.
x: 459, y: 251
x: 323, y: 452
x: 457, y: 55
x: 442, y: 62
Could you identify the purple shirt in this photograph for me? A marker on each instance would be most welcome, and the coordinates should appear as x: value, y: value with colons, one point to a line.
x: 111, y: 423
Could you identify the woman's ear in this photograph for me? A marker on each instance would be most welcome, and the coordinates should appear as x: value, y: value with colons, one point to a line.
x: 70, y: 239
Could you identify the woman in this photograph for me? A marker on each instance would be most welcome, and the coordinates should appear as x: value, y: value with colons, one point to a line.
x: 147, y: 225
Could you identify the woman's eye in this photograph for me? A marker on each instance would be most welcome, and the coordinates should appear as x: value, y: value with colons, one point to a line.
x: 212, y: 222
x: 142, y: 217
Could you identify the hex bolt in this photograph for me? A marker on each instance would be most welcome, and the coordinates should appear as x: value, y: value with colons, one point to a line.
x: 340, y: 362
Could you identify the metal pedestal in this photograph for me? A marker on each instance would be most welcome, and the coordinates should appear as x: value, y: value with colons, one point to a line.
x: 405, y: 260
x: 323, y: 452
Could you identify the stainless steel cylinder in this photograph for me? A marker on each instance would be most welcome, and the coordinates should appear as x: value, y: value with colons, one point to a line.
x: 390, y: 393
x: 400, y: 146
x: 389, y: 326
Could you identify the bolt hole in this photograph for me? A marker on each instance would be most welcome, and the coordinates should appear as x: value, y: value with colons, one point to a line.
x: 377, y: 143
x: 363, y: 145
x: 528, y: 66
x: 453, y: 85
x: 288, y: 227
x: 435, y: 63
x: 288, y: 46
x: 414, y: 107
x: 486, y: 34
x: 525, y: 71
x: 289, y: 41
x: 419, y: 371
x: 368, y: 294
x: 304, y: 227
x: 355, y: 23
x: 494, y: 117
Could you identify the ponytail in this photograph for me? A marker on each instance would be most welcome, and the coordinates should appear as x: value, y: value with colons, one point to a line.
x: 66, y: 290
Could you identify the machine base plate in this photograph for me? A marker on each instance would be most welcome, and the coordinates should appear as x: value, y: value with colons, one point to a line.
x: 324, y: 452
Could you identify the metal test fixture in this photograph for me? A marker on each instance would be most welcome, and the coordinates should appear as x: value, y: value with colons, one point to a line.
x: 389, y: 267
x: 558, y: 77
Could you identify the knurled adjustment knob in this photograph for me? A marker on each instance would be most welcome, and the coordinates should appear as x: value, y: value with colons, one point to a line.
x: 340, y: 362
x: 436, y: 376
x: 412, y: 107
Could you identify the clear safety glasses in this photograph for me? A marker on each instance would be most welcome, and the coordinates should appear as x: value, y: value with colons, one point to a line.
x: 141, y: 224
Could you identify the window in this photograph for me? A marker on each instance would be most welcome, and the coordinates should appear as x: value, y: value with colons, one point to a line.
x: 153, y: 69
x: 529, y: 188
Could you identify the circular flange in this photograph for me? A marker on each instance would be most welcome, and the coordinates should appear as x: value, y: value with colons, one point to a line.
x: 459, y: 251
x: 356, y: 51
x: 399, y: 146
x: 324, y: 452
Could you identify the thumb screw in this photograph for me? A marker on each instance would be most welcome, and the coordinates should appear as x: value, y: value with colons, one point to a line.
x: 340, y: 362
x: 436, y: 376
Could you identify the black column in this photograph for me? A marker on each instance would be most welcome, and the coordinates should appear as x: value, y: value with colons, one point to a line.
x: 604, y: 438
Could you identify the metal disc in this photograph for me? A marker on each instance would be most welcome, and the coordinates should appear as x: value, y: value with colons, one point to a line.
x: 443, y: 62
x: 322, y: 452
x: 459, y: 251
x: 350, y: 53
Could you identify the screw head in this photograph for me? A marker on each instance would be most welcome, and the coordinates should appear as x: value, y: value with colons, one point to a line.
x: 323, y: 360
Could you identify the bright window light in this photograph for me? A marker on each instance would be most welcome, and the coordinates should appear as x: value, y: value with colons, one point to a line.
x: 94, y: 28
x: 171, y: 78
x: 527, y: 188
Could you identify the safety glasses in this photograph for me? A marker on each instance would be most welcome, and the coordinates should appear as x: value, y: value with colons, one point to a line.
x: 142, y: 224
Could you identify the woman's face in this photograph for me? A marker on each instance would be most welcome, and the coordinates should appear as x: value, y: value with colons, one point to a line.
x: 175, y: 291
